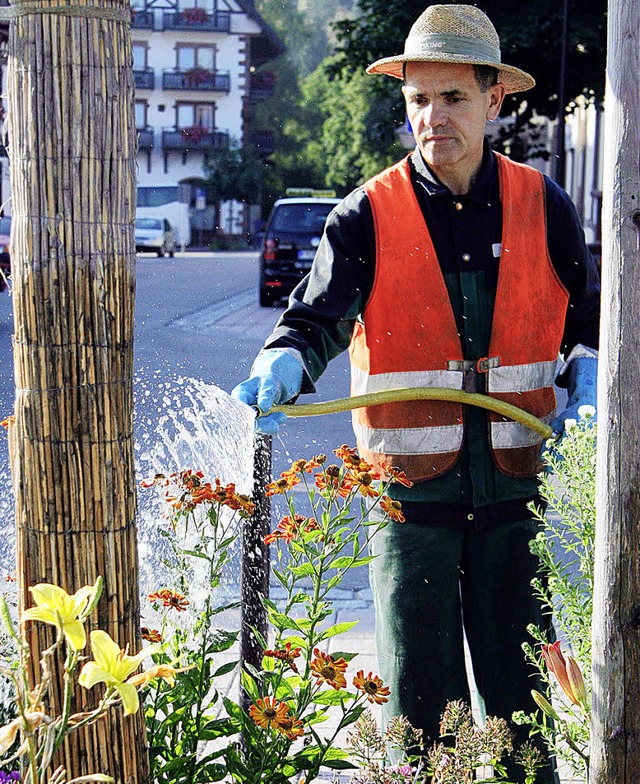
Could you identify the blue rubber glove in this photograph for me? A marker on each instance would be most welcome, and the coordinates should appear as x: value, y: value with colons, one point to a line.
x: 276, y: 376
x: 582, y: 382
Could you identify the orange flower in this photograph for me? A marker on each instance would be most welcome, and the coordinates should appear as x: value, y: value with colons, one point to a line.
x: 150, y: 635
x: 156, y: 480
x: 242, y: 503
x: 328, y: 670
x: 286, y: 654
x: 267, y: 712
x: 395, y: 474
x: 10, y: 420
x: 372, y: 687
x: 291, y: 727
x: 567, y: 672
x: 392, y: 508
x: 362, y: 481
x: 330, y: 479
x: 288, y: 480
x: 306, y: 466
x: 344, y: 452
x: 169, y: 598
x: 289, y: 528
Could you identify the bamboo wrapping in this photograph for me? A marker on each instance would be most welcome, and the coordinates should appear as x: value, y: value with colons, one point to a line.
x: 72, y: 151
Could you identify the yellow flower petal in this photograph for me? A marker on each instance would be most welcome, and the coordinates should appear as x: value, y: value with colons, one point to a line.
x: 75, y: 634
x: 129, y: 696
x: 91, y: 674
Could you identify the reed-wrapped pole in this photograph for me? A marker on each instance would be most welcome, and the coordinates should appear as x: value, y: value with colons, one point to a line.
x: 72, y: 152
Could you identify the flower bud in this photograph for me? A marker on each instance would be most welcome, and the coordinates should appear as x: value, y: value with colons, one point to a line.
x: 577, y: 683
x: 543, y: 703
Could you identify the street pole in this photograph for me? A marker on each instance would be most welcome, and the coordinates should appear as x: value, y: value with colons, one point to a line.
x: 560, y: 156
x: 615, y: 713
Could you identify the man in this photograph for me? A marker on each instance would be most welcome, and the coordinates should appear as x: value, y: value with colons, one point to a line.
x: 454, y: 268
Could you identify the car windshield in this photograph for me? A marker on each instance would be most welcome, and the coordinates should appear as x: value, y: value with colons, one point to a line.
x: 148, y: 223
x: 301, y: 217
x: 5, y: 225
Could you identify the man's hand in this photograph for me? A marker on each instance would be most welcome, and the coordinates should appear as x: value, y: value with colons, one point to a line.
x: 582, y: 382
x: 276, y: 376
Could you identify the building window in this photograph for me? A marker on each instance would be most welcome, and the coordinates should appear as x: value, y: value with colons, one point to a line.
x: 191, y: 56
x: 191, y: 115
x: 139, y: 56
x: 141, y: 114
x: 207, y: 5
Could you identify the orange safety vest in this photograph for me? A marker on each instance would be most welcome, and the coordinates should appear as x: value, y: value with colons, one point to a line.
x: 408, y: 336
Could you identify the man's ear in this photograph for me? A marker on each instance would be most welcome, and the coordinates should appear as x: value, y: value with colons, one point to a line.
x: 496, y: 97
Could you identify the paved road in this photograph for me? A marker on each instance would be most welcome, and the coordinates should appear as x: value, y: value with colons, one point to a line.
x: 197, y: 317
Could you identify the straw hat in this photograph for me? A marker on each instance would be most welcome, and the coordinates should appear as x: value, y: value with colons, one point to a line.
x: 454, y: 34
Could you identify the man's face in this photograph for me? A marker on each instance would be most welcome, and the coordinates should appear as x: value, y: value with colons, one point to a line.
x: 448, y: 111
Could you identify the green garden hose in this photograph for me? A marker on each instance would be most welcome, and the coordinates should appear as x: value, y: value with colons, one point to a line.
x: 419, y: 393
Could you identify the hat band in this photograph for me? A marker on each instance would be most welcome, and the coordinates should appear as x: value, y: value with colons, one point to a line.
x: 452, y: 44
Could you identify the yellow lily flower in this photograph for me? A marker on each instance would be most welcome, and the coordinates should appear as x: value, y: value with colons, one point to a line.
x: 56, y: 607
x: 112, y: 666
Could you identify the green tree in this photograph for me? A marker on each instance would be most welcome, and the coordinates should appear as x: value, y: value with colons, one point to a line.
x: 530, y: 39
x: 353, y: 139
x: 237, y: 173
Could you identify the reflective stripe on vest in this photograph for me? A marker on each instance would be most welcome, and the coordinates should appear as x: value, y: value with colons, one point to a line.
x: 408, y: 335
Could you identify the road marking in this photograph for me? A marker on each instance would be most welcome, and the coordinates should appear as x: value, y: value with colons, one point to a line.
x: 237, y: 313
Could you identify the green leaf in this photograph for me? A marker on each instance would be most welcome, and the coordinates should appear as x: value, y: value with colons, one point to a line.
x: 342, y: 562
x: 338, y: 628
x: 339, y: 764
x: 249, y: 685
x: 282, y: 621
x: 332, y: 697
x: 219, y: 728
x: 304, y: 570
x: 225, y: 668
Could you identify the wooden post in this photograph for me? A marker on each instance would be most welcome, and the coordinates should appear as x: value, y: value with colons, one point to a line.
x: 72, y: 151
x: 615, y: 742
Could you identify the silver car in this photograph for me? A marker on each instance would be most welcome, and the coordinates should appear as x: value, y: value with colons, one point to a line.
x: 155, y: 235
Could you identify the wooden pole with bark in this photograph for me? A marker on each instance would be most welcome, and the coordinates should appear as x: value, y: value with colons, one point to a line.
x: 72, y: 152
x: 615, y: 737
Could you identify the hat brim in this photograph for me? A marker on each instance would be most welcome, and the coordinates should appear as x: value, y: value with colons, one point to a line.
x: 513, y: 79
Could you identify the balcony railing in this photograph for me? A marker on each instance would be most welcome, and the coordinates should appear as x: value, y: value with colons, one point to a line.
x: 194, y: 139
x: 197, y: 79
x: 143, y: 78
x: 145, y: 138
x: 197, y: 19
x: 263, y: 141
x: 263, y: 85
x: 141, y: 20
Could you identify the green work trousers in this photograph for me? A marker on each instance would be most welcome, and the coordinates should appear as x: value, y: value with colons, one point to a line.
x: 433, y: 585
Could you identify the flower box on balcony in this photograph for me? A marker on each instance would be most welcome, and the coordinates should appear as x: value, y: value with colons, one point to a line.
x: 194, y: 15
x: 196, y: 76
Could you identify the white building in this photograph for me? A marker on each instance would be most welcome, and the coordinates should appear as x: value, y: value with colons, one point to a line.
x: 194, y: 68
